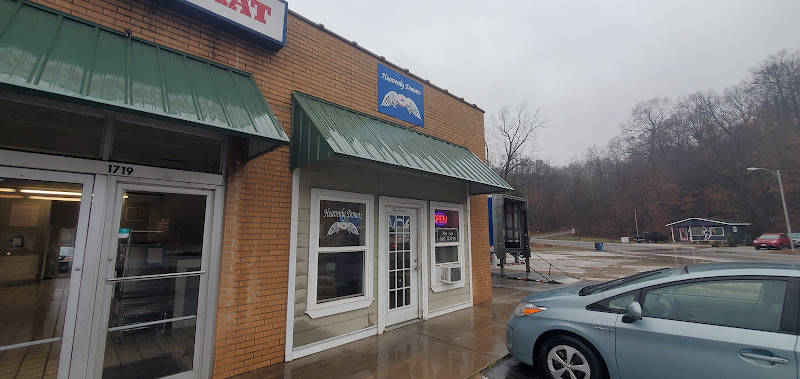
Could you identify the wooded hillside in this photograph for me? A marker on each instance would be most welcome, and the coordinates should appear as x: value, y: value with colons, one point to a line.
x: 680, y: 158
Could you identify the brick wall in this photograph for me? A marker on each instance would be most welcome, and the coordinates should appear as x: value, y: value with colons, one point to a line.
x: 251, y: 317
x: 481, y: 270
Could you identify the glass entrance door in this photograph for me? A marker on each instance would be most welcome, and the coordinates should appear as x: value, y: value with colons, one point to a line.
x: 43, y: 228
x: 403, y: 266
x: 156, y: 286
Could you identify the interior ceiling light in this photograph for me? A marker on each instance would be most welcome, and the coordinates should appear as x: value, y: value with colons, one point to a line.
x: 44, y: 192
x: 10, y: 196
x: 8, y: 190
x: 54, y: 198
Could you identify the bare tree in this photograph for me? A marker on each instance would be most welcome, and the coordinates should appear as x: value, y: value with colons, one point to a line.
x: 646, y: 127
x: 514, y: 131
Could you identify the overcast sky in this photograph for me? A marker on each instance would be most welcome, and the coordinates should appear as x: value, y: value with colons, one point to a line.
x: 584, y: 63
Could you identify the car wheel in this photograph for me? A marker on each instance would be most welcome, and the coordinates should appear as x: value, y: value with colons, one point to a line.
x: 758, y: 248
x: 566, y: 357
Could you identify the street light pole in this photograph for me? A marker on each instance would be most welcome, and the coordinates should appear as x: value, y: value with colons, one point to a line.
x: 783, y: 201
x: 785, y: 211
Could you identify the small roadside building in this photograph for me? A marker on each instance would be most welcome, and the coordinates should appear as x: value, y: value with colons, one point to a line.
x: 697, y: 229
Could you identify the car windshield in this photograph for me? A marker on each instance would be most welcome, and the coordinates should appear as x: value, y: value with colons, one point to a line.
x: 795, y: 235
x: 768, y: 237
x: 633, y: 279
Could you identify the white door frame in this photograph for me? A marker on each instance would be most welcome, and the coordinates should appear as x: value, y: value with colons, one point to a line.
x: 76, y: 291
x: 421, y: 207
x: 209, y: 280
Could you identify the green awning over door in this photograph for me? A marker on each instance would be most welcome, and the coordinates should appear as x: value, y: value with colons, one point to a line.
x: 322, y: 130
x: 47, y: 53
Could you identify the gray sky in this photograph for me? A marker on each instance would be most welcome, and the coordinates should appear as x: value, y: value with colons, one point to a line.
x: 584, y: 63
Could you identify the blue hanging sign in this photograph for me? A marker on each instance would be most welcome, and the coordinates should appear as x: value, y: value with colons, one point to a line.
x: 400, y: 97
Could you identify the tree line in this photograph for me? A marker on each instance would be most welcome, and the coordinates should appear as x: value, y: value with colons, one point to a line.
x: 673, y: 159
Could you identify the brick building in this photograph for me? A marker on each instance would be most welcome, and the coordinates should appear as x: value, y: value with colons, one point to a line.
x: 184, y: 192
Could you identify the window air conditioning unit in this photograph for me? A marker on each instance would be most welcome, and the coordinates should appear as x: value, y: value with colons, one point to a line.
x: 451, y: 274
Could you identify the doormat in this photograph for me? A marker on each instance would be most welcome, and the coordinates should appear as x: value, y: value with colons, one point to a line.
x: 148, y: 368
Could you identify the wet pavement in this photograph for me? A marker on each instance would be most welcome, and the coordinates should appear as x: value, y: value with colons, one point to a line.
x: 455, y: 345
x: 463, y: 344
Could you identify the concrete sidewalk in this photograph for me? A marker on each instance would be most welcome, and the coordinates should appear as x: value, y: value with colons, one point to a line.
x: 455, y: 345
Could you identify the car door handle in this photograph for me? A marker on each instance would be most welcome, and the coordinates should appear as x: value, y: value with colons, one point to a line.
x: 764, y: 357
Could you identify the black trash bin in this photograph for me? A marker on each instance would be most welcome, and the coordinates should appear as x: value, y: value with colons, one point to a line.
x: 598, y: 246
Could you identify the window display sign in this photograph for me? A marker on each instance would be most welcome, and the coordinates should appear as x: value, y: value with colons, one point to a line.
x: 400, y: 97
x: 446, y: 234
x: 266, y: 18
x: 445, y: 223
x: 445, y: 218
x: 341, y: 223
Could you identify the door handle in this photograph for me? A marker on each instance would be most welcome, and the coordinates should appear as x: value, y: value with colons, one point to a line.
x: 761, y: 357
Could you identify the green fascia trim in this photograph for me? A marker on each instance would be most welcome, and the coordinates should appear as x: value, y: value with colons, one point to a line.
x: 322, y: 130
x: 50, y: 54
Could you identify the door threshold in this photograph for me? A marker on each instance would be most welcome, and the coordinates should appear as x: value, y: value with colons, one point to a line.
x: 402, y: 324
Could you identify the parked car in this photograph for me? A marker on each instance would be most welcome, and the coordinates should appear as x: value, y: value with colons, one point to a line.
x: 650, y: 237
x: 721, y: 320
x: 772, y: 241
x: 795, y: 239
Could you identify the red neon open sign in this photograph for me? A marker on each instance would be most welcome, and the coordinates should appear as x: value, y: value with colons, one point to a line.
x: 440, y: 218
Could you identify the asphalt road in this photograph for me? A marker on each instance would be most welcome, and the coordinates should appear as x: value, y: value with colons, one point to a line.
x: 722, y: 253
x: 581, y: 263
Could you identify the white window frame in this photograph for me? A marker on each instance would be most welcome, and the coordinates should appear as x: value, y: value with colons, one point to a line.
x: 734, y: 228
x: 436, y: 284
x: 328, y: 308
x: 717, y: 227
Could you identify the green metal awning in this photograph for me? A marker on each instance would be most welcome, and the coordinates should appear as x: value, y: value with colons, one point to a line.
x: 322, y: 130
x: 47, y: 53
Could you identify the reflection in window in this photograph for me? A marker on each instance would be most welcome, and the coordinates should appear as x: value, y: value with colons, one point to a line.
x: 621, y: 302
x: 446, y: 254
x: 38, y: 235
x: 752, y: 304
x: 340, y: 275
x: 160, y: 233
x: 44, y: 130
x: 165, y: 148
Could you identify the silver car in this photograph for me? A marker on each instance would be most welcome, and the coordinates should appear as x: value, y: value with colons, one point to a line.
x: 722, y: 320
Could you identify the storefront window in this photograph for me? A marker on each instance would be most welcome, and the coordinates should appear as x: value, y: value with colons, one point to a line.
x: 38, y: 237
x: 166, y: 148
x: 340, y: 251
x: 44, y: 130
x: 447, y: 245
x: 340, y: 275
x: 447, y: 254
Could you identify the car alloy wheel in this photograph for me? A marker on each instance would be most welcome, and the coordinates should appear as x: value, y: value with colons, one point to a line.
x: 565, y: 357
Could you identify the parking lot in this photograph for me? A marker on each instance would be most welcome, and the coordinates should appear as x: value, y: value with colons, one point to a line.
x: 565, y: 263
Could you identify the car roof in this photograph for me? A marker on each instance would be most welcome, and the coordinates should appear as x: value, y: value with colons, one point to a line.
x: 709, y: 267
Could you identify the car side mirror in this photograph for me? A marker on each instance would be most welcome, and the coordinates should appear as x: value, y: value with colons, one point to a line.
x: 632, y: 313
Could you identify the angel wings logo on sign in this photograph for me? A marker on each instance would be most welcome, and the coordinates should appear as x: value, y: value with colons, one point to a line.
x: 400, y: 97
x: 344, y: 223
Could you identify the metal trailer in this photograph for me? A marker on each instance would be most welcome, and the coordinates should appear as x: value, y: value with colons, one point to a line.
x: 508, y: 229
